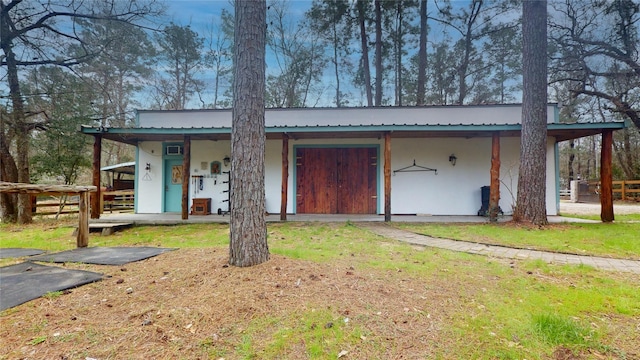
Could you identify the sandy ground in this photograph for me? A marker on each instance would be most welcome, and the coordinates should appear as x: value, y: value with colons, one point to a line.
x: 567, y: 207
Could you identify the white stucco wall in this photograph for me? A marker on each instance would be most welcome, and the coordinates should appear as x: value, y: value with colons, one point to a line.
x: 148, y: 186
x: 455, y: 190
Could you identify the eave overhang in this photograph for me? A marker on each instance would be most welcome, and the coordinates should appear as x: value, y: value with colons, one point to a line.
x: 560, y: 131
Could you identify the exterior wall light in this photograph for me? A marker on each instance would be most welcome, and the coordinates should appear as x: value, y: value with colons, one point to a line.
x: 148, y: 167
x: 453, y: 159
x: 226, y: 160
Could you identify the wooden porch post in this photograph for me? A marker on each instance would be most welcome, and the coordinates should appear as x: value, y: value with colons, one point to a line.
x: 82, y: 239
x: 387, y: 176
x: 285, y: 177
x: 186, y: 175
x: 494, y: 189
x: 606, y: 178
x: 97, y: 196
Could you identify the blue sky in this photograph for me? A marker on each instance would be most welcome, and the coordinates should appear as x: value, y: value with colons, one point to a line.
x: 203, y: 15
x: 200, y: 13
x: 197, y: 13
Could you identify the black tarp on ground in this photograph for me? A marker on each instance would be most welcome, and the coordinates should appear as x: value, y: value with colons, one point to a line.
x: 27, y: 281
x: 18, y: 253
x: 102, y: 255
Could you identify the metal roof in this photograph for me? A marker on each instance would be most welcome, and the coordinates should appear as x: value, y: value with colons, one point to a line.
x: 123, y: 168
x: 560, y: 131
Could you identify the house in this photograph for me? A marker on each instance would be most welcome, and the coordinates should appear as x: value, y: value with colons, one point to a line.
x: 387, y: 160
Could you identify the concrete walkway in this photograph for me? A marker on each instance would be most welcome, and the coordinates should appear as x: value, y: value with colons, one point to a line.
x: 601, y: 263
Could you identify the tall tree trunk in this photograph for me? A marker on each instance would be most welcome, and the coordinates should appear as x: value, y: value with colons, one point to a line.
x: 399, y: 45
x: 216, y: 86
x: 365, y: 52
x: 531, y: 202
x: 335, y: 65
x: 606, y: 178
x: 8, y: 173
x: 627, y: 164
x: 463, y: 69
x: 422, y: 54
x: 378, y: 100
x: 19, y: 125
x: 572, y: 157
x: 248, y: 229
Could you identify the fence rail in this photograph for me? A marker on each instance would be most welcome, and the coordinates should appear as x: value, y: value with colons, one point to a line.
x: 622, y: 189
x: 50, y: 205
x: 120, y: 200
x: 117, y: 200
x: 82, y: 239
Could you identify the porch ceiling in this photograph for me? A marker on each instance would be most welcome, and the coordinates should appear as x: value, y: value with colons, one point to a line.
x: 561, y: 132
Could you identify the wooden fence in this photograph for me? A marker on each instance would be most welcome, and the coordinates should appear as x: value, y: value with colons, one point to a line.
x: 82, y: 192
x: 622, y: 190
x: 121, y: 200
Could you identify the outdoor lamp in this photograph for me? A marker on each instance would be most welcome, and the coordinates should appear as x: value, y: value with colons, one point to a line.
x: 453, y: 159
x: 148, y: 167
x: 226, y: 160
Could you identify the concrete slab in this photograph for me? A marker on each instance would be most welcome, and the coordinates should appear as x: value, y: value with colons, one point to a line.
x: 102, y: 255
x: 6, y: 253
x: 175, y: 218
x: 609, y: 264
x: 27, y: 281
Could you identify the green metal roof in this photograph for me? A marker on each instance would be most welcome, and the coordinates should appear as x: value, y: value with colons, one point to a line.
x: 558, y: 130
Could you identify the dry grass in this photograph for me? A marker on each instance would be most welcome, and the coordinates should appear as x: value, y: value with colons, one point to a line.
x: 189, y: 304
x: 366, y: 295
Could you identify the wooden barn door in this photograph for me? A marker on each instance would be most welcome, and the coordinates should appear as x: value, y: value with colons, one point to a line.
x: 336, y: 180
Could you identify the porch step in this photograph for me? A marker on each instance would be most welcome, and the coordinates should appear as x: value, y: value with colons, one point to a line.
x: 106, y: 228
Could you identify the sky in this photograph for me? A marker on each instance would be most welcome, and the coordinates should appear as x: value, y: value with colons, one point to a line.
x: 201, y: 13
x: 203, y: 16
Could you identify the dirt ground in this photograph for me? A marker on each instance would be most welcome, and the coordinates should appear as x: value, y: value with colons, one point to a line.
x: 190, y: 304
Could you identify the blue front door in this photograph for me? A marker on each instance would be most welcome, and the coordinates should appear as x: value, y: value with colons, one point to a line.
x: 173, y: 185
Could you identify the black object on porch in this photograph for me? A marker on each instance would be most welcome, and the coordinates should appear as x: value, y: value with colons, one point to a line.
x: 484, y: 209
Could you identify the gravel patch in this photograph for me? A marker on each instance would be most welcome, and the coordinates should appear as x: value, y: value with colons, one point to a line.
x: 594, y: 208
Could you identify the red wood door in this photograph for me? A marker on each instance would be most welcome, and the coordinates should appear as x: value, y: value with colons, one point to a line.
x: 316, y: 185
x: 336, y: 180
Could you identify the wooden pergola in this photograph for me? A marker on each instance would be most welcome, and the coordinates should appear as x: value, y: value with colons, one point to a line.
x: 82, y: 239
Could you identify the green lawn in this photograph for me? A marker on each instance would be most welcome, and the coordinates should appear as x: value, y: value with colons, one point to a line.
x: 497, y: 309
x: 619, y: 239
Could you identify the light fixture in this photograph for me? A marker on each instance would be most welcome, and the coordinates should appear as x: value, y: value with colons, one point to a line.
x: 148, y: 167
x: 453, y: 159
x: 226, y: 160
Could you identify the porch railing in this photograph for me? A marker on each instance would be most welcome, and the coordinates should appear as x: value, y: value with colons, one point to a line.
x: 119, y: 200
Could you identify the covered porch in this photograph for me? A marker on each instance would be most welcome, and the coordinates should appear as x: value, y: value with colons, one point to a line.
x: 285, y: 126
x: 176, y: 218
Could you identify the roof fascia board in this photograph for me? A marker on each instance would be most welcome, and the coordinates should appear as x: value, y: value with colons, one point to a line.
x: 358, y: 128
